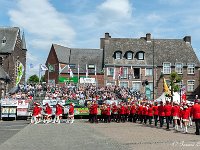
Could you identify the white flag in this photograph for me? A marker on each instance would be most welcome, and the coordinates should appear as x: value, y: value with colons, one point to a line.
x: 70, y: 72
x: 86, y: 74
x: 95, y: 70
x: 43, y: 67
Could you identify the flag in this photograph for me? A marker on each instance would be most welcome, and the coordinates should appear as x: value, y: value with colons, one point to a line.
x: 51, y: 68
x: 120, y: 72
x: 70, y: 72
x: 78, y: 69
x: 95, y: 70
x: 165, y: 87
x: 114, y: 74
x: 30, y: 66
x: 86, y: 73
x: 20, y: 72
x: 43, y: 67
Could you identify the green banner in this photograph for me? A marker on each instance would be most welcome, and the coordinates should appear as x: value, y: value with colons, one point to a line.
x: 51, y: 68
x: 84, y: 111
x: 65, y: 79
x: 148, y: 93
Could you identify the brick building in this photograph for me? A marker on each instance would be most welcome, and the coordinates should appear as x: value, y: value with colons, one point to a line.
x: 129, y: 62
x: 12, y: 53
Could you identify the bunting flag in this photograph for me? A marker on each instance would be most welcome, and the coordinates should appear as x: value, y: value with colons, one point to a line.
x: 51, y: 68
x: 86, y: 73
x: 43, y: 67
x: 114, y: 74
x: 165, y: 87
x: 20, y: 72
x: 95, y: 70
x: 70, y: 72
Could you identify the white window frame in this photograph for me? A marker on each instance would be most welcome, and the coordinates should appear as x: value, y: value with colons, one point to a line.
x: 137, y: 82
x: 190, y: 86
x: 179, y: 68
x: 109, y: 71
x: 110, y: 83
x: 124, y: 74
x: 139, y: 56
x: 166, y: 70
x: 129, y: 56
x: 190, y: 68
x: 124, y: 82
x: 118, y: 55
x: 147, y: 72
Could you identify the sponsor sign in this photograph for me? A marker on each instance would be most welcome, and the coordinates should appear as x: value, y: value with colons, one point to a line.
x: 87, y: 80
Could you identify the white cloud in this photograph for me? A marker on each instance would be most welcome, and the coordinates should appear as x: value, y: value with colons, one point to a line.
x: 154, y: 17
x: 40, y: 19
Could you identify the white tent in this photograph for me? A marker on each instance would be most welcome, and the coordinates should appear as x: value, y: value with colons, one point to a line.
x: 163, y: 98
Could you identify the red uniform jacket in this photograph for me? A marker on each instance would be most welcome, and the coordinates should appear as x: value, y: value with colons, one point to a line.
x: 176, y: 111
x: 161, y: 111
x: 150, y: 111
x: 133, y: 109
x: 114, y: 109
x: 71, y: 110
x: 127, y: 110
x: 122, y: 110
x: 108, y: 111
x: 59, y: 110
x: 145, y: 111
x: 48, y: 110
x: 195, y: 112
x: 36, y: 110
x: 185, y: 114
x: 94, y: 109
x: 167, y: 109
x: 140, y: 109
x: 155, y: 110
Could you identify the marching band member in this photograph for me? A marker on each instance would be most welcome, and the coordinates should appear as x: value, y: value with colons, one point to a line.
x: 108, y: 114
x: 36, y: 110
x: 132, y: 113
x: 122, y: 113
x: 167, y: 110
x: 176, y: 115
x: 59, y: 112
x: 185, y: 117
x: 155, y: 113
x: 150, y: 113
x: 145, y: 113
x: 140, y: 109
x: 70, y: 117
x: 114, y: 112
x: 195, y: 113
x: 48, y: 113
x: 161, y: 114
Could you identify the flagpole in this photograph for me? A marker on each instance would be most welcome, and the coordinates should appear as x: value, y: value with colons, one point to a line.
x: 39, y: 72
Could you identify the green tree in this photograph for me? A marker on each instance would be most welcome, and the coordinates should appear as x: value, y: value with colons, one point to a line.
x: 174, y: 79
x: 42, y: 79
x: 33, y: 79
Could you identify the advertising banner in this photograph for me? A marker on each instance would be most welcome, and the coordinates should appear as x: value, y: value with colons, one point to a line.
x: 87, y: 80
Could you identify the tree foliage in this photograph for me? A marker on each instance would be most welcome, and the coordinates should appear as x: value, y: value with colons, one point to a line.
x: 33, y: 79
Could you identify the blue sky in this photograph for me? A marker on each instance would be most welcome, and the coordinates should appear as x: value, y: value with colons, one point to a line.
x: 81, y: 23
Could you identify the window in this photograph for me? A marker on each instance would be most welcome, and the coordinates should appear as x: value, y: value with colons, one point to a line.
x: 166, y: 68
x: 149, y: 71
x: 1, y: 61
x: 180, y: 84
x: 141, y: 56
x: 136, y: 86
x: 124, y: 84
x: 124, y: 72
x: 190, y: 85
x: 179, y: 68
x: 110, y: 71
x: 191, y: 67
x: 129, y: 55
x: 118, y: 55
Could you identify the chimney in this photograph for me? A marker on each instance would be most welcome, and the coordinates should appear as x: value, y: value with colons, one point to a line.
x: 148, y: 37
x: 107, y: 36
x: 187, y: 39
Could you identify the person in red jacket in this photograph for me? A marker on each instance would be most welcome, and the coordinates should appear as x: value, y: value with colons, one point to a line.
x: 145, y: 113
x: 94, y: 112
x: 140, y: 109
x: 185, y: 117
x: 108, y: 114
x: 150, y: 113
x: 161, y: 114
x: 195, y: 113
x: 59, y: 112
x: 35, y: 114
x: 176, y: 115
x: 114, y: 112
x: 122, y: 113
x: 167, y: 110
x: 155, y: 113
x: 48, y: 113
x: 132, y: 113
x: 70, y: 117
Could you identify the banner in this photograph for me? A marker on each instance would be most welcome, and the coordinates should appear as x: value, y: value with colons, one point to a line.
x: 84, y: 111
x: 20, y: 72
x: 65, y: 79
x: 87, y: 80
x: 22, y: 107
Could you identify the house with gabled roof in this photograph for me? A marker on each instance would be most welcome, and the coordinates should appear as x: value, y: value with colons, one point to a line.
x: 132, y: 62
x: 12, y: 53
x: 77, y: 60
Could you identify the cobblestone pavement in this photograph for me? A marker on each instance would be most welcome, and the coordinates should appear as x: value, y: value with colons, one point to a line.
x: 111, y: 136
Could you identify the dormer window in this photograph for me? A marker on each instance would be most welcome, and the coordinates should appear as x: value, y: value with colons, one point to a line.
x: 118, y: 55
x: 3, y: 41
x: 140, y: 55
x: 128, y: 55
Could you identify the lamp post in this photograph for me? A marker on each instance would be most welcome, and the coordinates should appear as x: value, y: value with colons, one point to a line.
x: 153, y: 66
